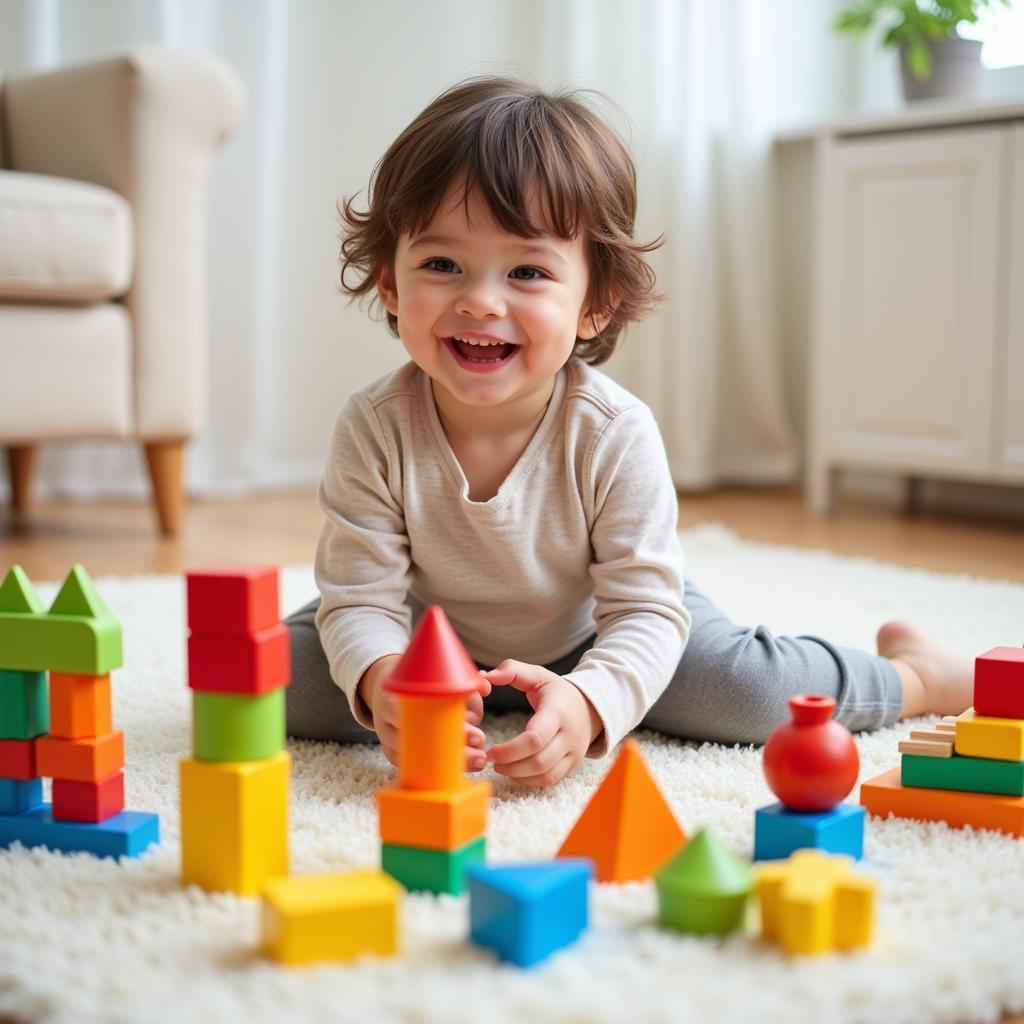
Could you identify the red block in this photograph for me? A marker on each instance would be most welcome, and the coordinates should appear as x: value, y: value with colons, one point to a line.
x: 240, y: 664
x: 999, y: 683
x: 18, y: 759
x: 88, y: 801
x: 232, y: 600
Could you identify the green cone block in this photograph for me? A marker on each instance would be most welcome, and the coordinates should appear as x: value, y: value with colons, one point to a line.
x: 432, y: 870
x: 704, y: 888
x: 24, y: 705
x: 237, y: 727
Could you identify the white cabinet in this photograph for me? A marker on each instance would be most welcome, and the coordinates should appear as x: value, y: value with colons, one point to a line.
x: 918, y: 332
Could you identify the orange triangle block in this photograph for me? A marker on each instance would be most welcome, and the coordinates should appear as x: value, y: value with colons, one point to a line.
x: 628, y: 828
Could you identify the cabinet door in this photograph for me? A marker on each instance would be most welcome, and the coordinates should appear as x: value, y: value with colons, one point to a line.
x: 1010, y: 424
x: 911, y: 326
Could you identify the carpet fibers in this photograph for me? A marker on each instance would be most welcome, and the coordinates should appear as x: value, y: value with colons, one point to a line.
x: 85, y: 940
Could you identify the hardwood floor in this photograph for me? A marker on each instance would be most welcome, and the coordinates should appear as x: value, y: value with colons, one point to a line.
x: 121, y: 537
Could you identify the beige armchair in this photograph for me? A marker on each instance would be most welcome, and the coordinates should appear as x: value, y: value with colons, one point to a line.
x: 102, y: 308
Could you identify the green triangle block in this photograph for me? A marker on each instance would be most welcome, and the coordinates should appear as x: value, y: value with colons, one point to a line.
x: 78, y: 596
x: 704, y: 888
x: 18, y: 596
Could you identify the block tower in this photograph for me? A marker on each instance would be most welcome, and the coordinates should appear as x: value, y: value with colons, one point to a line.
x: 67, y: 733
x: 966, y: 770
x: 433, y: 822
x: 234, y: 789
x: 811, y: 764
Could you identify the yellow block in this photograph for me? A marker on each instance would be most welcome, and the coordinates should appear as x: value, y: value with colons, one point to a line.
x: 234, y: 823
x: 330, y: 917
x: 431, y: 818
x: 812, y: 903
x: 431, y: 742
x: 1001, y: 739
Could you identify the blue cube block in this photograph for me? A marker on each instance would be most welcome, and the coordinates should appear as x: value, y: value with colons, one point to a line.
x: 17, y: 795
x: 778, y: 831
x: 125, y: 834
x: 524, y: 912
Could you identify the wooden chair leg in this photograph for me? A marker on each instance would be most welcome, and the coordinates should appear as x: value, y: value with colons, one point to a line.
x: 21, y: 466
x: 166, y: 461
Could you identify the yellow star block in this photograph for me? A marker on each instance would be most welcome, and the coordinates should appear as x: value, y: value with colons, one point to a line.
x: 330, y: 917
x: 1001, y: 739
x: 813, y: 903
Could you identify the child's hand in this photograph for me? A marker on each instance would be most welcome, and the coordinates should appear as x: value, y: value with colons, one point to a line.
x: 556, y: 738
x: 383, y: 705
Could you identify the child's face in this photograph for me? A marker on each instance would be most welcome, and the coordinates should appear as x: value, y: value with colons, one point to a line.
x: 465, y: 277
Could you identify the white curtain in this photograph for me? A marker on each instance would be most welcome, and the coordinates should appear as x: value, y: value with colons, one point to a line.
x: 702, y: 84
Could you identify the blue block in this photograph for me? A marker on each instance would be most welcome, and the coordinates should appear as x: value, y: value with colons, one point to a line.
x: 125, y: 834
x: 778, y: 832
x: 524, y: 912
x: 17, y: 795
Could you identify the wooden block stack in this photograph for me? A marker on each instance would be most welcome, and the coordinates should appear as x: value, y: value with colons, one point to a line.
x: 234, y: 790
x: 68, y: 733
x: 967, y: 770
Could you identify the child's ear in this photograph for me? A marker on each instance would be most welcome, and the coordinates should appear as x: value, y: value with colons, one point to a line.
x: 386, y: 290
x: 594, y: 321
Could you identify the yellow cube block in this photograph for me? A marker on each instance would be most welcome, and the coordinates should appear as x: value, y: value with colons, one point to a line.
x: 234, y: 823
x: 330, y: 917
x: 435, y: 819
x: 1001, y: 739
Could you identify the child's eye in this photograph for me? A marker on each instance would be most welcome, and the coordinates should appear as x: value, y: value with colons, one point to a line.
x: 440, y: 264
x: 534, y: 274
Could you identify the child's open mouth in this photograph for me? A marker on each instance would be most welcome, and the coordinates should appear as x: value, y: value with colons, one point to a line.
x: 481, y: 358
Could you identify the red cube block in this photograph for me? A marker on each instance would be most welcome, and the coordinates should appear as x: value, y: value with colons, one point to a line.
x: 999, y: 683
x: 18, y: 759
x: 232, y: 600
x: 244, y: 664
x: 88, y: 801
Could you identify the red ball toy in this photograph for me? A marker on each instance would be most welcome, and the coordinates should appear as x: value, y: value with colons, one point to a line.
x: 811, y: 763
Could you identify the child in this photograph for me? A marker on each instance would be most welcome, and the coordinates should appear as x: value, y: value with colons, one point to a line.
x: 500, y: 475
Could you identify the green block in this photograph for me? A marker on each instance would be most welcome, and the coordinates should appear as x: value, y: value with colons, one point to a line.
x: 24, y: 705
x: 967, y: 774
x: 237, y: 727
x: 432, y: 870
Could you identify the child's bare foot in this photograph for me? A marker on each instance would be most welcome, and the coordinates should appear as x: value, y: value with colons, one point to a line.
x: 935, y: 680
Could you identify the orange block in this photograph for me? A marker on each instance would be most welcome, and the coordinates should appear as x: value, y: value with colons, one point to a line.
x: 433, y: 819
x: 628, y: 828
x: 431, y: 742
x: 87, y: 759
x: 885, y: 794
x: 79, y: 705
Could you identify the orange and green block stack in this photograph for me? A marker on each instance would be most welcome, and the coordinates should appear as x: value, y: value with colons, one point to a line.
x: 433, y: 821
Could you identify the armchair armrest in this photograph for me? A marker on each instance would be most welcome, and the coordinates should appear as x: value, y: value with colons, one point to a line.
x: 145, y: 124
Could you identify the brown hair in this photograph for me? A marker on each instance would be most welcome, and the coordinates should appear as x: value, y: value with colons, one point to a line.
x: 508, y: 138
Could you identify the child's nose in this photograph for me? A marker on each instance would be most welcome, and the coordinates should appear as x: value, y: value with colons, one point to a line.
x: 481, y: 299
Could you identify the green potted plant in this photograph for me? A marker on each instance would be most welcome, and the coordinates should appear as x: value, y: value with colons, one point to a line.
x: 934, y: 60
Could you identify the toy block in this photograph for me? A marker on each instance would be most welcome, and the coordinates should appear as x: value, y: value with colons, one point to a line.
x: 17, y: 795
x: 24, y: 705
x: 233, y: 600
x: 330, y: 917
x: 237, y: 726
x: 77, y: 634
x: 704, y: 888
x: 124, y: 835
x: 627, y: 828
x: 88, y: 759
x: 524, y: 912
x: 234, y: 823
x: 813, y: 903
x: 18, y: 759
x: 779, y: 831
x: 999, y: 683
x: 438, y: 871
x: 433, y: 819
x: 969, y: 774
x: 981, y: 736
x: 926, y: 748
x: 884, y: 795
x: 251, y: 664
x: 88, y: 801
x: 946, y: 724
x: 931, y: 735
x: 80, y: 705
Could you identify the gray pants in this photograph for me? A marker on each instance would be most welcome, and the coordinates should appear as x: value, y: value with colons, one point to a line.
x: 731, y: 686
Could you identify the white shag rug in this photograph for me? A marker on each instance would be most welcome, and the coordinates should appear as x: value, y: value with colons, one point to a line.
x: 83, y: 939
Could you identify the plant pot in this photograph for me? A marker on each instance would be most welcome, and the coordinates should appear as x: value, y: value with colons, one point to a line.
x: 956, y: 70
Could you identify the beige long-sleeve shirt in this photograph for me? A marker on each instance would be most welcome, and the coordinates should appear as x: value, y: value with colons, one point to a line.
x: 580, y: 539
